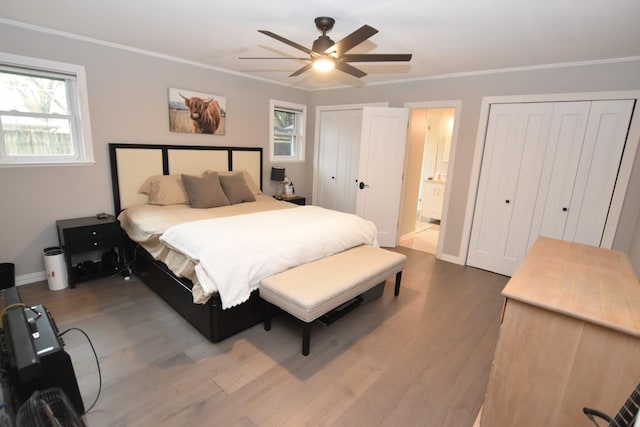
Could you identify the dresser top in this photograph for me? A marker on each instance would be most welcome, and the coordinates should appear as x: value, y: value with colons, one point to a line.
x: 593, y: 284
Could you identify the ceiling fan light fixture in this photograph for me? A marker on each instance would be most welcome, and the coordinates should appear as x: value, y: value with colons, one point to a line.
x: 322, y: 44
x: 324, y: 64
x: 326, y: 54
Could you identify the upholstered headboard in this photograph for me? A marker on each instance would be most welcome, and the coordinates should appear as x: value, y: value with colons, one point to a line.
x: 132, y: 164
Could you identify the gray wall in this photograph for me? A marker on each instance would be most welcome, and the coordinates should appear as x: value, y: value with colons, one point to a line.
x: 128, y: 103
x: 128, y: 95
x: 470, y: 90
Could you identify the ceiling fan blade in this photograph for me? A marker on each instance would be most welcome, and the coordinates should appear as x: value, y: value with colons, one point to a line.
x: 273, y: 57
x: 380, y: 57
x: 287, y: 41
x: 349, y: 69
x: 302, y: 70
x: 353, y: 39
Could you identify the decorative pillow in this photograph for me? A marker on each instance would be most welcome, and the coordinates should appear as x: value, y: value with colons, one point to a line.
x: 145, y: 188
x: 165, y: 190
x: 236, y: 189
x: 205, y: 191
x: 250, y: 183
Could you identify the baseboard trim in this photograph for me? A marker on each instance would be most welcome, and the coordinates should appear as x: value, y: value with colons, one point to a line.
x: 451, y: 258
x: 31, y: 278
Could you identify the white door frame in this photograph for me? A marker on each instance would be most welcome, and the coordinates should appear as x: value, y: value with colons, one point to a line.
x: 316, y: 139
x: 624, y: 173
x: 457, y: 104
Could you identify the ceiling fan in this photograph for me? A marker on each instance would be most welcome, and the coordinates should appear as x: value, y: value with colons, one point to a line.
x: 326, y: 54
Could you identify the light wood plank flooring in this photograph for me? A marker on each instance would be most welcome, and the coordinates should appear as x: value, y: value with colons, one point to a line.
x: 421, y: 359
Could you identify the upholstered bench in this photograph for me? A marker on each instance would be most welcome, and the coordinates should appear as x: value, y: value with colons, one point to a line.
x: 311, y: 290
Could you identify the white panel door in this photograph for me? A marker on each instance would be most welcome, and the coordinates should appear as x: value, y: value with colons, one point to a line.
x: 568, y: 126
x: 600, y: 157
x: 338, y: 159
x: 511, y: 165
x: 490, y: 207
x: 520, y: 185
x: 348, y: 160
x: 381, y: 167
x: 327, y: 159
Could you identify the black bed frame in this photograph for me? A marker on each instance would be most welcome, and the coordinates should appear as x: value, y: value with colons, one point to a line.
x: 210, y: 319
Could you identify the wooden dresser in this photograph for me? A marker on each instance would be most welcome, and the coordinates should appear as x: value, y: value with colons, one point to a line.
x: 569, y: 338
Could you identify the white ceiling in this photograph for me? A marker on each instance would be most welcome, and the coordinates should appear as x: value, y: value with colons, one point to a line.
x: 444, y: 36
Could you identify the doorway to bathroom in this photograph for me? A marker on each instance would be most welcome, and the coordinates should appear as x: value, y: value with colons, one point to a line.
x: 427, y: 167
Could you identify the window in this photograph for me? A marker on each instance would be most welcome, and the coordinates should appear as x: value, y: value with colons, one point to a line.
x: 287, y: 131
x: 44, y: 115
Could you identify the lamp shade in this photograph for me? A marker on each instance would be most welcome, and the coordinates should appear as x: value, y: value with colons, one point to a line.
x: 277, y: 174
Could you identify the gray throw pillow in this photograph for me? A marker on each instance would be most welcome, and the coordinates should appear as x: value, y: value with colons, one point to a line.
x: 205, y: 191
x: 236, y: 189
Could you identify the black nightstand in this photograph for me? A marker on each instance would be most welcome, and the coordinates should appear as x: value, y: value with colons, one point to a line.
x: 87, y: 239
x: 298, y: 200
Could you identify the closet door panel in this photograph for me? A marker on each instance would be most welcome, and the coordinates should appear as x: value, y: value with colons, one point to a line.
x: 347, y: 161
x: 491, y: 208
x: 514, y: 151
x: 524, y: 164
x: 327, y: 162
x: 562, y: 156
x: 604, y: 141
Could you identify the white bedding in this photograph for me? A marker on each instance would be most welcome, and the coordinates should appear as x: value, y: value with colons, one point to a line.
x: 145, y: 223
x: 232, y: 254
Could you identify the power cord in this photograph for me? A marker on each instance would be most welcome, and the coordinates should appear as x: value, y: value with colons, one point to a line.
x: 97, y: 364
x: 127, y: 265
x: 7, y: 308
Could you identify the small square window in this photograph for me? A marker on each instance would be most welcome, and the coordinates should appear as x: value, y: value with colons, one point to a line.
x: 287, y: 131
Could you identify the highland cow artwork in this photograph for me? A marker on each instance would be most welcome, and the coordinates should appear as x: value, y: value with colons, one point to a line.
x: 196, y: 112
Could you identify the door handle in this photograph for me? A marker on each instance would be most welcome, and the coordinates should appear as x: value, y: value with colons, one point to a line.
x: 362, y: 185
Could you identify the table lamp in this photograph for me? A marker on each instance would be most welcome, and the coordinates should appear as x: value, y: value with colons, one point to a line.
x: 278, y: 174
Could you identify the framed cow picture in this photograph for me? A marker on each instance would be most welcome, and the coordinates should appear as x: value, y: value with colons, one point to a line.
x: 196, y: 112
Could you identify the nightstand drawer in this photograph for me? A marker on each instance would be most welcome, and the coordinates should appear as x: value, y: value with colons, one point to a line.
x: 89, y: 238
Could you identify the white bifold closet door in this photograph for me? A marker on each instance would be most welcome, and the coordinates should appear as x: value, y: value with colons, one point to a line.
x: 549, y: 169
x: 339, y: 154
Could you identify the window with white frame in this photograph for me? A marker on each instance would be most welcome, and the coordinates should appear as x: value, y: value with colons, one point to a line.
x: 44, y: 114
x: 287, y: 126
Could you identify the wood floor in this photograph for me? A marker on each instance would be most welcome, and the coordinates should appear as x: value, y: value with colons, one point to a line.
x: 421, y: 359
x: 424, y: 238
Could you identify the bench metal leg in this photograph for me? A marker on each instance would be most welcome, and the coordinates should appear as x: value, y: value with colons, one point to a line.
x: 398, y: 280
x: 306, y: 338
x: 267, y: 316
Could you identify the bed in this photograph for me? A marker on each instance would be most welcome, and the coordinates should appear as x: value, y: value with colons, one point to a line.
x: 218, y: 299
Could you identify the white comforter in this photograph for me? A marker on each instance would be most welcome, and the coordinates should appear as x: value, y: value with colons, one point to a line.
x: 233, y: 254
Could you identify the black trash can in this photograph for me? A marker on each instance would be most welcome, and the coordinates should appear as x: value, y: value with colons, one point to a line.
x: 7, y: 275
